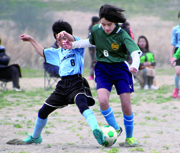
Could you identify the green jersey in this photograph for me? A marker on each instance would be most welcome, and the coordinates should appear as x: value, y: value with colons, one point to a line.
x: 112, y: 48
x: 177, y: 54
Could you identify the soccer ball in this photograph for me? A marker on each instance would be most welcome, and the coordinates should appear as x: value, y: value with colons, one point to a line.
x: 110, y: 135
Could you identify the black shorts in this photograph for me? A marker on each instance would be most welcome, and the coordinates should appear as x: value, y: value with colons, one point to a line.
x: 67, y: 89
x: 177, y: 61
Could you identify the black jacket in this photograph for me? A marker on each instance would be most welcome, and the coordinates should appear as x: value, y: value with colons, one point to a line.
x: 4, y: 58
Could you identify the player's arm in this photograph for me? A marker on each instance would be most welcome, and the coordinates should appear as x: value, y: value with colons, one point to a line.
x: 135, y: 53
x: 78, y: 44
x: 172, y: 61
x: 173, y: 43
x: 67, y: 35
x: 135, y: 61
x: 36, y: 46
x: 82, y: 44
x: 171, y: 51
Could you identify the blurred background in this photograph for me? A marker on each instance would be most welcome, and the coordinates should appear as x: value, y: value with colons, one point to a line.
x: 152, y: 18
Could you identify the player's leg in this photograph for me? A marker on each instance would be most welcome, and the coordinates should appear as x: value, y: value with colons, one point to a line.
x: 145, y: 77
x: 105, y: 108
x: 81, y: 102
x: 40, y: 124
x: 91, y: 72
x: 104, y: 80
x: 128, y: 118
x: 176, y: 91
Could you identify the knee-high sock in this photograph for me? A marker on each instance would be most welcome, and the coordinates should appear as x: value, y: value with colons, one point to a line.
x: 176, y: 79
x: 129, y: 125
x: 109, y: 116
x: 91, y: 119
x: 39, y: 125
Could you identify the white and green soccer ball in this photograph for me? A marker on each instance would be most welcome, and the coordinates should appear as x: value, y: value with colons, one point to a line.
x: 110, y: 135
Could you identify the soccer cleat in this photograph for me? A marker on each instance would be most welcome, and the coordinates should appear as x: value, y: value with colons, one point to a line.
x: 98, y: 134
x: 119, y: 131
x: 30, y: 139
x: 131, y: 142
x: 175, y: 93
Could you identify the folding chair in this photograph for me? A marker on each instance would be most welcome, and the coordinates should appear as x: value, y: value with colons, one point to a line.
x: 51, y: 75
x: 3, y: 83
x: 49, y: 80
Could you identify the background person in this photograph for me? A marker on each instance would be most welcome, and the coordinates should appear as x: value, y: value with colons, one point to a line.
x: 175, y: 44
x: 9, y: 72
x: 146, y: 73
x: 92, y: 50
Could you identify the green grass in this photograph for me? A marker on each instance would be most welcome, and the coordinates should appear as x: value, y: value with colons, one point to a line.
x: 31, y: 73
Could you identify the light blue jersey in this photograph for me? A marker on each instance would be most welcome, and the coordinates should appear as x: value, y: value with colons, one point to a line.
x: 175, y: 41
x: 69, y: 61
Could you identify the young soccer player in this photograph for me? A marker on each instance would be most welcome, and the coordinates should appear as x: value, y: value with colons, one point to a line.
x: 72, y: 88
x: 112, y: 44
x: 175, y: 44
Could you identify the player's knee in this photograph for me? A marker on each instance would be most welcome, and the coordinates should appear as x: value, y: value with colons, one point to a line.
x: 104, y: 103
x: 42, y: 114
x: 81, y: 102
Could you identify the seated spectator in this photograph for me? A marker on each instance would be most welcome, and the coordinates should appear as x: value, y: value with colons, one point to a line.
x: 146, y: 72
x: 11, y: 72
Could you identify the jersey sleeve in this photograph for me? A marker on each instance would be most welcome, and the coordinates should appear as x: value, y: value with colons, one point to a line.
x: 78, y: 50
x: 51, y: 56
x: 130, y: 44
x: 91, y: 37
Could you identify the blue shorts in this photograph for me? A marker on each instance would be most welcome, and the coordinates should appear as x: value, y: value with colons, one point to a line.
x: 117, y: 74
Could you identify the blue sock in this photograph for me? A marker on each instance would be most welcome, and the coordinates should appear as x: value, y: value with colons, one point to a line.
x: 91, y: 119
x: 39, y: 125
x: 129, y: 125
x: 109, y: 116
x: 176, y: 79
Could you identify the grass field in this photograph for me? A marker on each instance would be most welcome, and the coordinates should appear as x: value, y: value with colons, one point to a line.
x: 156, y: 112
x: 156, y: 127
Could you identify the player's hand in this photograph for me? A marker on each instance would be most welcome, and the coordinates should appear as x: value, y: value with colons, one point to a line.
x: 67, y: 44
x: 147, y: 63
x: 133, y: 70
x: 172, y: 61
x: 61, y: 35
x: 25, y: 37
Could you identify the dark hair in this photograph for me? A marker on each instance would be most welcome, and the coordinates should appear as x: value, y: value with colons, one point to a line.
x: 112, y: 13
x: 179, y: 14
x: 61, y: 25
x: 95, y: 19
x: 147, y: 44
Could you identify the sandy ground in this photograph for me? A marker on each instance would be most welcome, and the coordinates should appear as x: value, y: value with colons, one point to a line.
x: 70, y: 134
